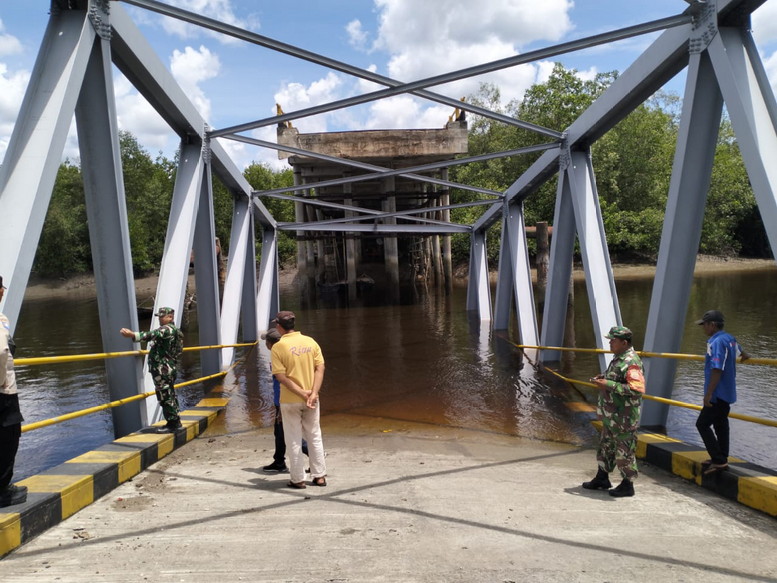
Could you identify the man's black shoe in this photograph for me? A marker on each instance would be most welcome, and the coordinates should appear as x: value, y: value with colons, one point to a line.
x: 600, y: 482
x: 276, y: 467
x: 174, y: 425
x: 625, y: 488
x: 13, y: 495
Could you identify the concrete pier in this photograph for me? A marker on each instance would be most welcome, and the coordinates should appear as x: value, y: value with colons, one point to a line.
x: 405, y: 502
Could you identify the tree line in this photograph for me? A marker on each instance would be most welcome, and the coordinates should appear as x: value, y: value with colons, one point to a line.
x: 632, y: 162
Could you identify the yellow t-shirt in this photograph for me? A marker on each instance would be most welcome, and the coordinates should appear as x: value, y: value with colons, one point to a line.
x: 296, y: 356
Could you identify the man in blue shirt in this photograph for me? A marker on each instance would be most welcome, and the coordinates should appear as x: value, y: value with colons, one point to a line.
x: 720, y: 389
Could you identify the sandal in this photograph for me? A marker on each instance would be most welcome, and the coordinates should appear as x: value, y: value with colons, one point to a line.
x: 712, y: 468
x: 319, y: 481
x: 297, y: 485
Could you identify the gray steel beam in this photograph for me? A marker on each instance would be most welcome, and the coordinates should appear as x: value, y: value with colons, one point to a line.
x: 373, y: 215
x: 562, y: 246
x: 386, y: 228
x: 417, y: 87
x: 268, y: 295
x: 106, y: 211
x: 751, y: 106
x: 478, y: 288
x: 241, y: 237
x: 34, y: 152
x: 415, y: 169
x: 600, y: 284
x: 138, y: 62
x: 174, y: 268
x: 206, y: 277
x: 515, y: 278
x: 249, y: 314
x: 356, y: 164
x: 691, y: 172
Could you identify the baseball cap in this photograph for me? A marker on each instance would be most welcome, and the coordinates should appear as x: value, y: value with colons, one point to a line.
x: 285, y: 319
x: 619, y: 332
x: 711, y: 316
x: 164, y: 312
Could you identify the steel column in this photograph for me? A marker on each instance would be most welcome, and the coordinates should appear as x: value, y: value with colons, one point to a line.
x: 174, y: 269
x: 562, y: 247
x: 239, y: 239
x: 478, y: 289
x: 206, y: 277
x: 268, y: 296
x: 751, y: 106
x: 106, y: 211
x: 691, y: 171
x: 600, y: 284
x: 514, y: 278
x: 34, y: 152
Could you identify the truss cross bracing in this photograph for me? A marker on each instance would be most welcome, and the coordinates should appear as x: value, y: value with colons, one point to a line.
x: 73, y: 77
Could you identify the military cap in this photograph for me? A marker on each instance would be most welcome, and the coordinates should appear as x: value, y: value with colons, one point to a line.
x: 164, y: 312
x: 619, y: 332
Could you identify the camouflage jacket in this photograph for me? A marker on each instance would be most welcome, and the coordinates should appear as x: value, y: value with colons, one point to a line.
x: 619, y: 403
x: 166, y: 346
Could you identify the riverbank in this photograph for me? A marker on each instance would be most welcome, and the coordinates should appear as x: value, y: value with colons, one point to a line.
x: 83, y: 286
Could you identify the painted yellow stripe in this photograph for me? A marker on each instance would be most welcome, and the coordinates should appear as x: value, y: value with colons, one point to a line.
x: 165, y: 442
x: 760, y: 493
x: 128, y: 462
x: 644, y: 439
x: 10, y: 532
x: 75, y: 492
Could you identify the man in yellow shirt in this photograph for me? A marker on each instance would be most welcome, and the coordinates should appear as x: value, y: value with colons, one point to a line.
x: 298, y: 364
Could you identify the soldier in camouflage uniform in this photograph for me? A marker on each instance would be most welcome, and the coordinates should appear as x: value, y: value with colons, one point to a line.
x: 163, y: 355
x: 622, y: 386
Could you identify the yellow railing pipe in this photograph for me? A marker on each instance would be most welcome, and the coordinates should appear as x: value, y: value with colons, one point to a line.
x: 111, y: 405
x: 740, y: 416
x: 104, y: 355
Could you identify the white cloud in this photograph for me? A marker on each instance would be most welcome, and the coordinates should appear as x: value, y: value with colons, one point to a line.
x: 136, y: 116
x: 764, y: 22
x: 357, y: 36
x: 190, y: 68
x: 295, y: 96
x: 221, y: 10
x: 427, y: 39
x: 9, y: 44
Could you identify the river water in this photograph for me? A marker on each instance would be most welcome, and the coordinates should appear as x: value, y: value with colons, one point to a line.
x: 424, y: 360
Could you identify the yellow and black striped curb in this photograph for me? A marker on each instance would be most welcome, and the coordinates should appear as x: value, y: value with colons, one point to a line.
x: 63, y: 490
x: 747, y: 483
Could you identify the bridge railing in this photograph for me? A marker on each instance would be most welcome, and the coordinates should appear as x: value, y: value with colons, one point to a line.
x: 118, y: 403
x: 645, y: 354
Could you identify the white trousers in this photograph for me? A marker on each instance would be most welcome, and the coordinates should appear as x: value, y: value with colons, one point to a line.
x: 300, y: 422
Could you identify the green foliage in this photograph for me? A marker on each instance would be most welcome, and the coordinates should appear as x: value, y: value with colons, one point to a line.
x: 262, y: 177
x: 63, y: 248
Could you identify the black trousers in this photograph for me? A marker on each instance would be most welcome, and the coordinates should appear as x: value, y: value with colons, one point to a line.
x: 717, y: 441
x: 9, y: 445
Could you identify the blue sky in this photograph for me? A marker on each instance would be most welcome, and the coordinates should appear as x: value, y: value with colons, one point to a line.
x: 233, y: 82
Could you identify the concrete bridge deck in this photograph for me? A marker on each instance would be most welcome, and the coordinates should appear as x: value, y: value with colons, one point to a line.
x: 405, y: 502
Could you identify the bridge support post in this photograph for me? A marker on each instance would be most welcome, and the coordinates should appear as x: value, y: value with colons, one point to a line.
x: 478, y: 290
x: 106, y: 211
x: 514, y: 280
x: 692, y: 168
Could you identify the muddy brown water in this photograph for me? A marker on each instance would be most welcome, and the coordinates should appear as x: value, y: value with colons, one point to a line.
x: 424, y: 359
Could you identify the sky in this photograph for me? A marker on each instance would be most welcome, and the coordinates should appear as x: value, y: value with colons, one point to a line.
x: 233, y: 82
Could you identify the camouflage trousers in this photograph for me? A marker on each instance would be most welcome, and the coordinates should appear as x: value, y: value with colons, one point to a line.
x: 165, y: 394
x: 618, y: 449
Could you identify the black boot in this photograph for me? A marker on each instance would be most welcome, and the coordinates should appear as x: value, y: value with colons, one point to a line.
x: 625, y: 488
x: 600, y: 482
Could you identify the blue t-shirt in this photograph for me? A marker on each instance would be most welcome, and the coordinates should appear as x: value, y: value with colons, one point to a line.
x: 722, y: 352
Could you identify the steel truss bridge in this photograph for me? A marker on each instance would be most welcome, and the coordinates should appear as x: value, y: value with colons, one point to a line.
x: 73, y: 75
